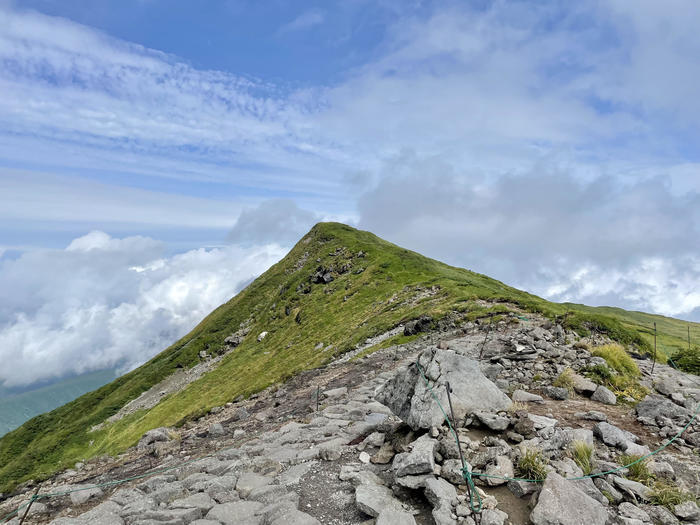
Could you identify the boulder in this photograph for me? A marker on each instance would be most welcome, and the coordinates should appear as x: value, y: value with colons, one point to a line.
x: 395, y: 517
x: 373, y: 499
x: 613, y: 436
x: 418, y: 325
x: 216, y: 430
x: 661, y: 515
x: 584, y: 386
x: 493, y: 517
x: 562, y: 503
x: 236, y: 513
x: 556, y: 392
x: 408, y: 397
x: 493, y: 421
x: 526, y: 397
x: 605, y: 396
x: 441, y: 494
x: 83, y: 494
x: 653, y: 406
x: 420, y: 460
x: 635, y: 490
x: 687, y: 511
x: 502, y: 468
x: 629, y: 510
x: 153, y: 436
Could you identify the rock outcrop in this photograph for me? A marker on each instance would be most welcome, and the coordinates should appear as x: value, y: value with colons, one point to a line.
x: 410, y: 399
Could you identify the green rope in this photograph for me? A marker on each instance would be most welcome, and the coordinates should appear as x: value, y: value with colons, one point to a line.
x: 481, y: 475
x: 466, y: 474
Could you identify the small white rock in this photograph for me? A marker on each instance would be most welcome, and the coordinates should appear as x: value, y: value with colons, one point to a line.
x: 364, y: 457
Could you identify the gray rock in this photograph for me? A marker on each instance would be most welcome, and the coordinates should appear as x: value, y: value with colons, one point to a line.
x: 441, y: 494
x: 452, y: 471
x: 171, y: 516
x: 583, y: 385
x: 153, y: 436
x: 395, y: 517
x: 561, y: 503
x: 493, y: 421
x: 407, y: 396
x: 336, y: 392
x: 168, y: 493
x: 522, y: 488
x: 556, y: 392
x: 106, y: 513
x: 84, y: 494
x: 199, y: 501
x: 636, y: 491
x: 420, y: 460
x: 613, y: 436
x: 413, y: 482
x: 373, y: 499
x: 632, y: 511
x: 248, y: 481
x: 236, y: 513
x: 687, y: 511
x: 605, y: 396
x: 661, y: 515
x: 591, y: 415
x: 526, y: 397
x: 654, y: 406
x: 216, y: 430
x: 493, y: 517
x: 240, y: 414
x: 666, y: 386
x: 608, y: 490
x: 502, y: 468
x: 270, y: 494
x: 295, y: 517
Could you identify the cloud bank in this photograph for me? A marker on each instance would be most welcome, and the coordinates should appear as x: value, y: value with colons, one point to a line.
x: 601, y: 241
x: 106, y: 302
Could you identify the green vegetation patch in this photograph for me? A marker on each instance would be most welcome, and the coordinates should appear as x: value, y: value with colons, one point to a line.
x: 532, y: 464
x: 620, y: 374
x: 582, y: 454
x: 668, y: 494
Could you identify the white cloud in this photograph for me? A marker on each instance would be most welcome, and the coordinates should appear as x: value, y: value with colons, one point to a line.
x: 105, y: 302
x: 601, y: 241
x: 304, y: 21
x: 277, y: 220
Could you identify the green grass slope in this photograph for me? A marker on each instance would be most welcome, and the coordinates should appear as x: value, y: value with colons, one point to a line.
x: 375, y: 285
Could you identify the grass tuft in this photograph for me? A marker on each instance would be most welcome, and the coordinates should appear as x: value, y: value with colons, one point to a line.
x: 565, y: 380
x: 668, y: 494
x: 638, y: 471
x: 532, y: 464
x: 618, y: 359
x: 582, y: 453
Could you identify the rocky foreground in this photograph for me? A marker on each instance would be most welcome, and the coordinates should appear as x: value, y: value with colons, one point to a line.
x: 378, y: 449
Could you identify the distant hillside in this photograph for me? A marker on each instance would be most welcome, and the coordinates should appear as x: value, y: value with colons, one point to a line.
x: 15, y: 409
x: 336, y: 287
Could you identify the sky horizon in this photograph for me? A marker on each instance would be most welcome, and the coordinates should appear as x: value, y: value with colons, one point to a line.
x: 156, y: 156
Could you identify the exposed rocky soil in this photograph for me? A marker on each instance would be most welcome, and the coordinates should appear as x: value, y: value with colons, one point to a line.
x: 285, y: 457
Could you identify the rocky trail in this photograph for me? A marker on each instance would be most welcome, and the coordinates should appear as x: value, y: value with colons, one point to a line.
x: 375, y: 448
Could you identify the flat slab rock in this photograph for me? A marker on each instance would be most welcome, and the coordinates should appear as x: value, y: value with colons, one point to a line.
x: 373, y: 499
x: 561, y: 503
x: 408, y: 397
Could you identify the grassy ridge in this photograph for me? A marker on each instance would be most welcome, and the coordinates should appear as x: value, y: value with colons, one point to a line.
x: 375, y: 286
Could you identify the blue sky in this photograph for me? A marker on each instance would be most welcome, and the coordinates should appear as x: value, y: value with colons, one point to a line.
x: 182, y: 147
